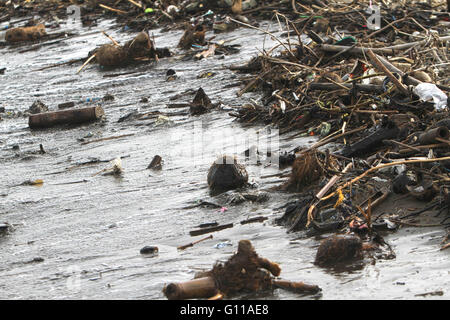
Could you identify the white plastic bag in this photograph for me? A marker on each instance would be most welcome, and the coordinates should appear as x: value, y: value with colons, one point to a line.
x: 428, y: 91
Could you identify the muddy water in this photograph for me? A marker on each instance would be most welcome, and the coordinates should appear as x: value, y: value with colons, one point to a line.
x: 88, y: 228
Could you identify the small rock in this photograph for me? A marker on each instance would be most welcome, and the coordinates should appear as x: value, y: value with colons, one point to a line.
x: 108, y: 97
x: 35, y: 260
x: 149, y: 250
x: 156, y: 163
x: 4, y: 228
x: 37, y: 107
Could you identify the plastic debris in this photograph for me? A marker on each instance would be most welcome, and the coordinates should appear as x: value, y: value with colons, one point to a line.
x: 429, y: 91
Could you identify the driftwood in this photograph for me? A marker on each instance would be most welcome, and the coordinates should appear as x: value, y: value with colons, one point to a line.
x: 25, y: 34
x: 73, y: 116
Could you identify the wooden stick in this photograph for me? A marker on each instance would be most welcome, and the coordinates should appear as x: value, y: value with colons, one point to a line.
x: 86, y: 63
x: 211, y: 229
x: 355, y: 50
x: 361, y: 87
x: 112, y: 9
x: 297, y: 287
x: 193, y: 243
x: 108, y: 138
x: 255, y: 219
x: 332, y: 181
x: 59, y: 64
x: 385, y: 50
x: 135, y: 3
x: 381, y: 67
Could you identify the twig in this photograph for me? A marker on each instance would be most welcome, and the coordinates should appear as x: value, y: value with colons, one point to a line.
x: 111, y: 38
x: 108, y: 138
x: 86, y: 63
x: 112, y: 9
x: 194, y: 242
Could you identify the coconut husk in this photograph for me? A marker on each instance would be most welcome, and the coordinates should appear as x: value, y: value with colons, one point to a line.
x: 110, y: 55
x: 141, y: 46
x: 305, y: 171
x: 245, y: 271
x: 337, y: 249
x: 25, y: 33
x: 226, y: 174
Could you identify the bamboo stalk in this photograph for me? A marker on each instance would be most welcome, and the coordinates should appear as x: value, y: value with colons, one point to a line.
x: 86, y: 63
x: 194, y: 289
x: 111, y: 38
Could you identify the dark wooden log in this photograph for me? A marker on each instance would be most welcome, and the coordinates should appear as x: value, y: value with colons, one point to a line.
x: 387, y: 131
x: 194, y: 289
x: 430, y: 136
x: 210, y: 229
x: 73, y: 116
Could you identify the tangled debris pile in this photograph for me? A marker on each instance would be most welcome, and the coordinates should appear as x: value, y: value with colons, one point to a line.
x: 387, y: 104
x: 244, y: 272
